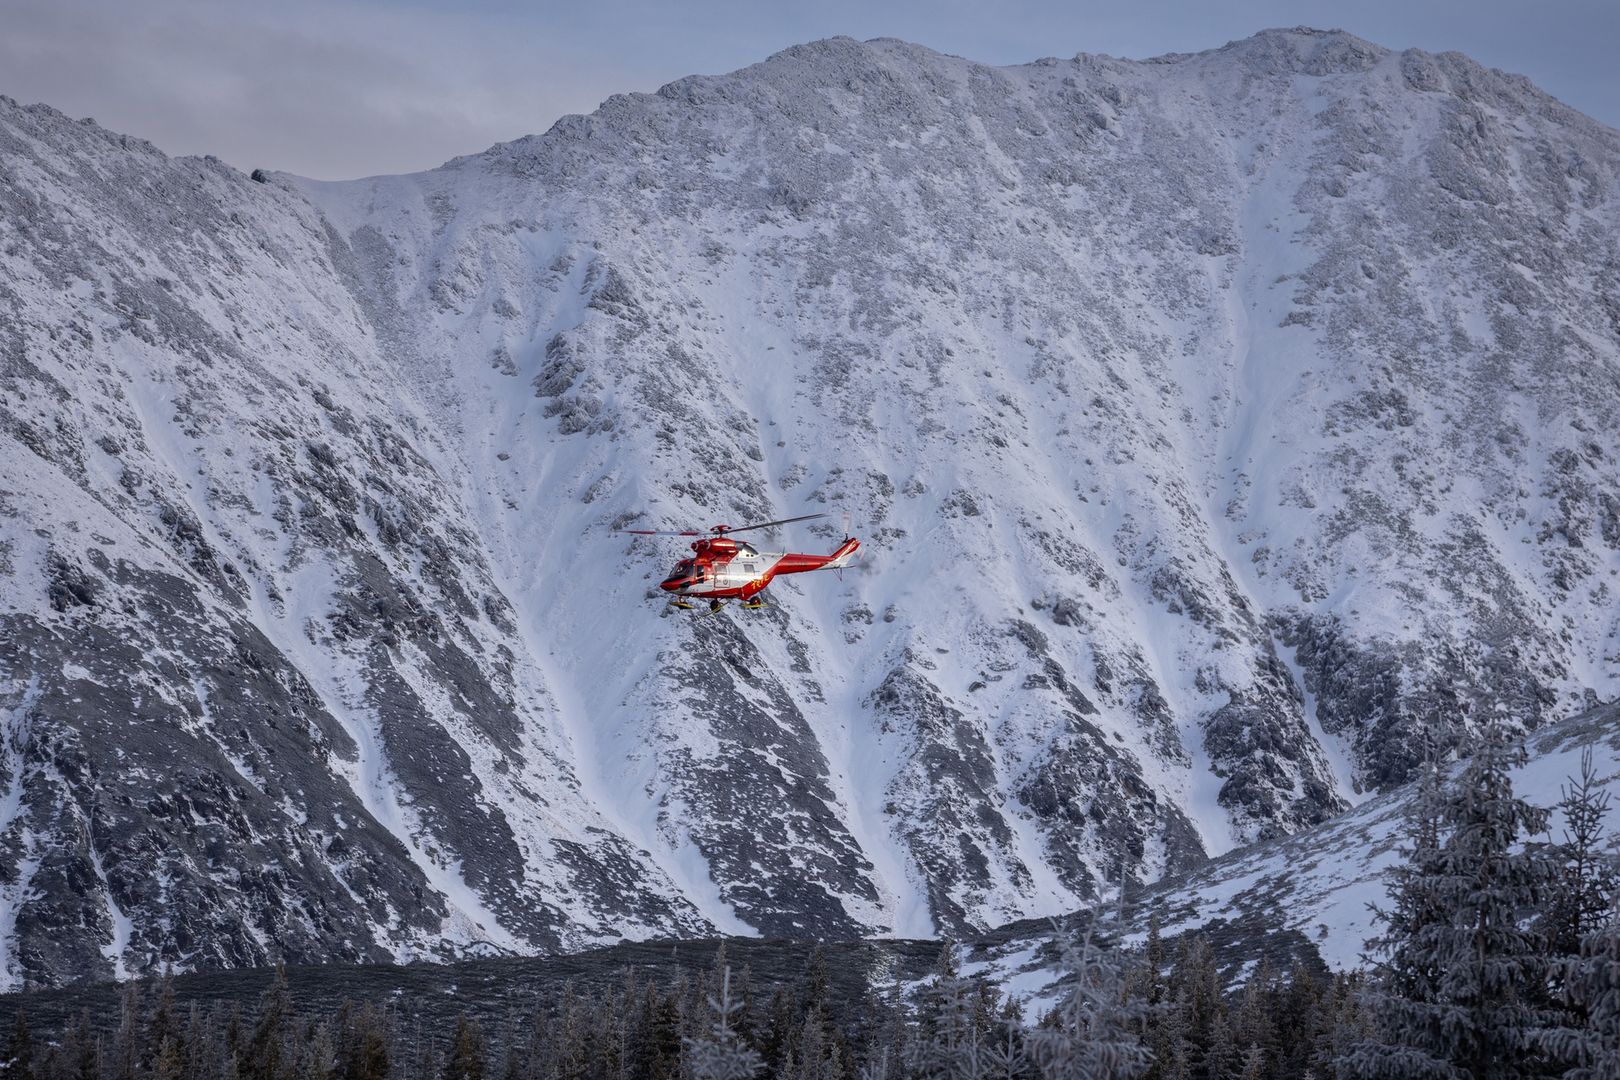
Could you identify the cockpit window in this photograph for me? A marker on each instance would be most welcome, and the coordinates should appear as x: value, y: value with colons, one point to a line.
x: 682, y: 569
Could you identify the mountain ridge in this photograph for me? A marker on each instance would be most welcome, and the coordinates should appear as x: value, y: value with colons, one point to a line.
x: 1265, y: 410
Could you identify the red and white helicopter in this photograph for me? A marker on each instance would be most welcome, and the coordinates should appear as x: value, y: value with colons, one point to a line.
x: 722, y: 569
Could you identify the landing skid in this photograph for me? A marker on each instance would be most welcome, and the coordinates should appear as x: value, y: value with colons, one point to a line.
x: 715, y: 606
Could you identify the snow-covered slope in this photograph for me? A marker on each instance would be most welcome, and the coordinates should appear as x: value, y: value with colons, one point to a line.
x: 1321, y: 882
x: 1221, y: 427
x: 1318, y: 887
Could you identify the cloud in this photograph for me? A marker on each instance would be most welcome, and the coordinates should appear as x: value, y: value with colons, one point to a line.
x: 323, y: 90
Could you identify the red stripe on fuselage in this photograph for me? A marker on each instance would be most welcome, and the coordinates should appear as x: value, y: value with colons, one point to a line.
x: 792, y: 563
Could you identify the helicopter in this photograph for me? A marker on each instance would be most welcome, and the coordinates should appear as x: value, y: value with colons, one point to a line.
x: 723, y: 569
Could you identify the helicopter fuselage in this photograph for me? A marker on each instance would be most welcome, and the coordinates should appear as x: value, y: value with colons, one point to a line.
x: 723, y: 569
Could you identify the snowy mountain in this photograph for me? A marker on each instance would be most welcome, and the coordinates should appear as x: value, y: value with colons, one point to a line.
x: 1223, y: 428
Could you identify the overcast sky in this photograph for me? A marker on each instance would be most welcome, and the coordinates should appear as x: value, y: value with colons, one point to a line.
x: 357, y: 87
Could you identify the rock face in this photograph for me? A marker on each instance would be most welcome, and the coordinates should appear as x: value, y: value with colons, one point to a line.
x: 1225, y: 431
x: 1308, y: 896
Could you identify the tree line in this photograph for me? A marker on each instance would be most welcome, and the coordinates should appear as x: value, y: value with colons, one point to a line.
x: 1499, y: 959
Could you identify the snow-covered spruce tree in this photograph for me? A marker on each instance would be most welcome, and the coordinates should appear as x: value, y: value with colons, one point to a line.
x: 948, y: 1043
x: 126, y: 1042
x: 18, y: 1059
x: 267, y: 1051
x: 1587, y: 875
x: 467, y: 1057
x: 1585, y: 882
x: 1186, y: 1033
x: 720, y: 1054
x: 1350, y: 1025
x: 1005, y: 1057
x: 655, y: 1037
x: 1296, y: 1004
x: 1254, y: 1020
x: 364, y: 1051
x: 516, y: 1051
x: 1170, y: 1045
x: 1593, y: 983
x: 886, y: 1053
x: 1461, y: 988
x: 1092, y: 1034
x: 317, y: 1057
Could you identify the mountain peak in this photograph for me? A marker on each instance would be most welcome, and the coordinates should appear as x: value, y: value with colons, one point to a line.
x: 1303, y: 49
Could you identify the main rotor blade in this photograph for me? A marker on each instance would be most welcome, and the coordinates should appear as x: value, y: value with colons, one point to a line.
x: 661, y: 532
x: 768, y: 524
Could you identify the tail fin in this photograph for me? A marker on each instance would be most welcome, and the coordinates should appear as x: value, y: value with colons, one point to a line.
x: 845, y: 552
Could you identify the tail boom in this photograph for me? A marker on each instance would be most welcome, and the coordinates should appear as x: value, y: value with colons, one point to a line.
x: 794, y: 563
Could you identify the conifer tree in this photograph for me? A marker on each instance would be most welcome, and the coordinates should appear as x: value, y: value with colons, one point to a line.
x: 818, y: 1044
x: 465, y: 1060
x: 1254, y: 1020
x: 1303, y: 1024
x: 697, y: 1011
x: 1592, y: 983
x: 609, y: 1041
x: 204, y: 1059
x: 1004, y: 1055
x: 813, y: 1055
x: 1585, y: 880
x: 745, y: 1023
x: 1349, y: 1022
x: 19, y: 1056
x: 834, y: 1069
x: 876, y: 1066
x: 1093, y: 1033
x: 235, y: 1043
x: 1154, y: 960
x: 1586, y: 876
x: 947, y: 1042
x: 721, y: 1054
x: 126, y: 1051
x: 513, y: 1051
x: 363, y: 1041
x: 1168, y: 1042
x: 1223, y: 1052
x: 163, y: 1027
x: 267, y: 1049
x: 1460, y: 989
x: 781, y: 1032
x: 817, y: 980
x: 568, y: 1044
x: 318, y: 1059
x: 655, y: 1050
x: 1194, y: 990
x: 427, y: 1059
x: 169, y: 1063
x: 80, y: 1052
x: 888, y: 1044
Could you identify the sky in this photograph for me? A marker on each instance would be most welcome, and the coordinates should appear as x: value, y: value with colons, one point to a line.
x: 349, y: 88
